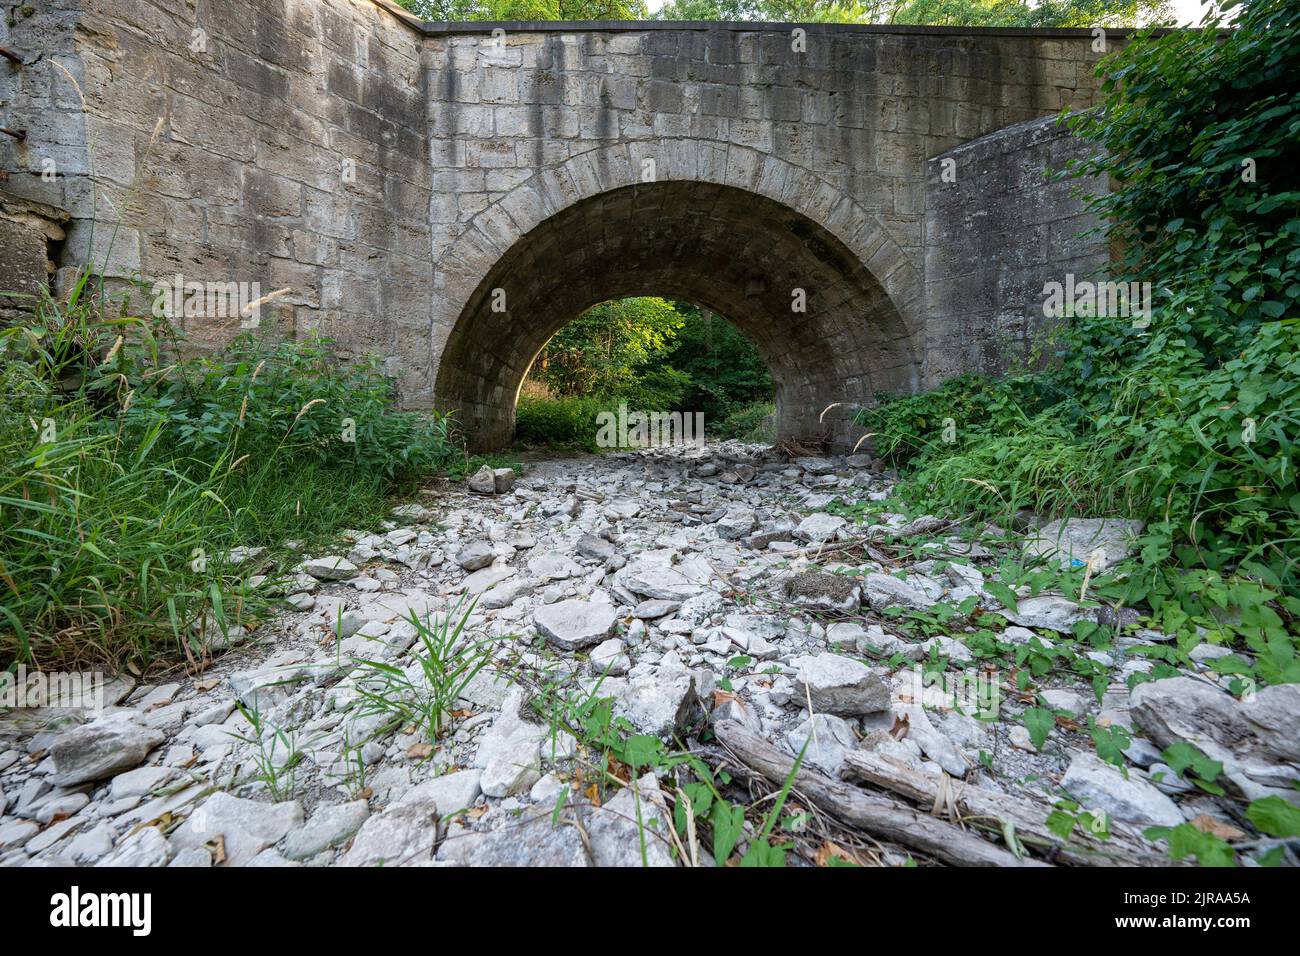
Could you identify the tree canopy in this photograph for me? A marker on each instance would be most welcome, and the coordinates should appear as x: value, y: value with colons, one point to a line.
x: 982, y: 13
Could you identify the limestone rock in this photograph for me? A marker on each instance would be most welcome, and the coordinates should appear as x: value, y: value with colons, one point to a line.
x: 247, y: 826
x: 885, y: 591
x: 483, y: 481
x: 101, y: 749
x: 532, y: 841
x: 402, y: 835
x: 1054, y: 613
x: 1097, y: 785
x: 818, y: 528
x: 616, y: 837
x: 660, y: 702
x: 333, y: 567
x: 572, y: 625
x: 503, y: 480
x: 831, y: 737
x: 329, y: 826
x: 1074, y: 541
x: 839, y: 685
x: 475, y: 555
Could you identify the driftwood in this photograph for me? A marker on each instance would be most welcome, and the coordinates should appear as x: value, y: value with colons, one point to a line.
x: 991, y: 810
x: 882, y: 816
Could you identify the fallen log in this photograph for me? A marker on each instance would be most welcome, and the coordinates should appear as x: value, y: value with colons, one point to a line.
x: 881, y: 816
x: 991, y: 810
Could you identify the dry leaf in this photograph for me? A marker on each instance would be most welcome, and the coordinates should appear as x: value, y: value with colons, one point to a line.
x: 207, y: 684
x: 829, y: 850
x: 218, y: 848
x: 163, y: 823
x: 419, y: 751
x: 1217, y: 828
x: 901, y: 726
x: 619, y: 770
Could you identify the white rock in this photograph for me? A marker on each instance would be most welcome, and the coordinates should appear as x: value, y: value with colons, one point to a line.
x: 402, y: 835
x: 818, y: 528
x: 885, y: 591
x: 330, y: 826
x: 1097, y: 785
x: 609, y: 658
x: 102, y: 748
x: 632, y: 829
x: 839, y: 685
x: 451, y: 792
x: 572, y: 625
x: 660, y: 702
x: 665, y: 583
x: 146, y: 847
x: 831, y: 738
x: 475, y: 555
x: 1049, y: 611
x: 247, y: 826
x: 332, y: 567
x: 1076, y: 541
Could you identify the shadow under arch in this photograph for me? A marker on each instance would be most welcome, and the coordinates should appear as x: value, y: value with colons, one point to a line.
x: 742, y: 255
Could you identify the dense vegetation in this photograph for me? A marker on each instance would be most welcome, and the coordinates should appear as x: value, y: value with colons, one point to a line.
x: 648, y: 354
x: 126, y: 476
x: 1189, y: 423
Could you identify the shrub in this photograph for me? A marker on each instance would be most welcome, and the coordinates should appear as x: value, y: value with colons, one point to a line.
x: 751, y: 423
x: 558, y: 421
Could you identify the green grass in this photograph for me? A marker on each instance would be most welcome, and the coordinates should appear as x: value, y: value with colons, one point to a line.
x: 126, y: 478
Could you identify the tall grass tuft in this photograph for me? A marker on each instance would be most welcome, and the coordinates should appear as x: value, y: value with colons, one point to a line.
x: 127, y: 472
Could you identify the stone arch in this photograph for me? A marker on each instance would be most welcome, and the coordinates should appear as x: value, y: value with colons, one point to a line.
x: 723, y: 226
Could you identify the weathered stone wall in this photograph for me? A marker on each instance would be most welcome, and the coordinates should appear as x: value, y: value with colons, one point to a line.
x: 449, y: 197
x: 996, y: 229
x: 277, y: 142
x: 528, y: 125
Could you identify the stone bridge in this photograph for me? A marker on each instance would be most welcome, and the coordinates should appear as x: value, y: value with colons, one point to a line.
x: 868, y: 204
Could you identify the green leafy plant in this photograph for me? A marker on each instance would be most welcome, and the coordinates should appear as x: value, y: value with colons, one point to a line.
x: 1189, y: 422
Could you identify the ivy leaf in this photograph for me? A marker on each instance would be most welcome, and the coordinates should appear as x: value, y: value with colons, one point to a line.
x: 1039, y: 721
x: 1274, y: 816
x: 1111, y: 742
x: 641, y: 750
